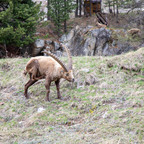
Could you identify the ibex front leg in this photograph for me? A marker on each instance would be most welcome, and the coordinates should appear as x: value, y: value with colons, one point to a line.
x: 47, y: 85
x: 58, y: 88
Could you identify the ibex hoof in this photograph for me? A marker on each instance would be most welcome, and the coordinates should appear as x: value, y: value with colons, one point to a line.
x: 27, y: 96
x: 47, y: 99
x: 59, y: 97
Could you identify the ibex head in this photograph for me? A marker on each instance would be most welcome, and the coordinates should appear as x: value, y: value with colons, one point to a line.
x: 69, y: 75
x: 66, y: 72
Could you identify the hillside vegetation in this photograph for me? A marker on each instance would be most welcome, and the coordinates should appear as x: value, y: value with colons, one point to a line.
x: 105, y: 105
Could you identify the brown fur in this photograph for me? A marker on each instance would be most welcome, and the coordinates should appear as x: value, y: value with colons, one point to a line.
x: 48, y: 68
x: 32, y: 68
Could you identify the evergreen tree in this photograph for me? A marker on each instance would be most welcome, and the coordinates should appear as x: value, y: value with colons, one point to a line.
x: 59, y: 11
x: 18, y: 23
x: 116, y: 4
x: 68, y: 7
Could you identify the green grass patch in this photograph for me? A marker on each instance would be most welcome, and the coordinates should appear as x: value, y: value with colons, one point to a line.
x: 110, y: 110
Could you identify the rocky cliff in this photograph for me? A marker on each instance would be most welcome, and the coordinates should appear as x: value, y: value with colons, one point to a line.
x: 90, y: 41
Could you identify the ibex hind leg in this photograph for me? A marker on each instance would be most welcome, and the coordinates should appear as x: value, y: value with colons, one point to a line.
x: 27, y: 85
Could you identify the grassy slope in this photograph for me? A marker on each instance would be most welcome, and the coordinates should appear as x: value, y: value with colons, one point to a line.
x: 110, y: 111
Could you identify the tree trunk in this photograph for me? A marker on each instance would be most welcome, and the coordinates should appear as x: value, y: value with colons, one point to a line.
x: 114, y: 8
x: 109, y: 6
x: 76, y: 12
x: 48, y: 7
x: 80, y: 4
x: 65, y: 22
x: 57, y: 18
x: 90, y: 7
x: 117, y: 11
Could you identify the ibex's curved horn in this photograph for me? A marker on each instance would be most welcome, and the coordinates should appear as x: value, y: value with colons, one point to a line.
x: 69, y: 57
x: 57, y: 59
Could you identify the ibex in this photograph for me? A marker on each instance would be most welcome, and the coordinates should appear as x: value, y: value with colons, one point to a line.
x: 51, y: 68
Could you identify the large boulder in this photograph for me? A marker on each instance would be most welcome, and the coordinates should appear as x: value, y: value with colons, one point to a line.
x: 88, y: 41
x: 38, y: 46
x: 91, y: 41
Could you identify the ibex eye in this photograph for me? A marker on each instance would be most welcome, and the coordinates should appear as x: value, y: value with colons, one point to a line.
x: 67, y: 74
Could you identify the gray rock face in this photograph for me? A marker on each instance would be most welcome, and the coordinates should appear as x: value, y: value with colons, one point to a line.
x: 38, y: 46
x: 48, y: 42
x: 91, y: 41
x: 56, y: 46
x: 39, y: 43
x: 88, y: 41
x: 142, y: 45
x: 58, y: 53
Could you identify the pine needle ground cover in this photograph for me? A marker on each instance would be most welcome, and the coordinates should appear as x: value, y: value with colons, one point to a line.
x: 105, y: 105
